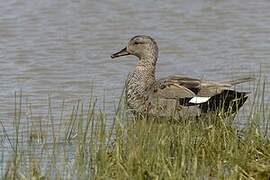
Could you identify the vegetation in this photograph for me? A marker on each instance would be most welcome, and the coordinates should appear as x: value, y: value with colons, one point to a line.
x: 87, y: 146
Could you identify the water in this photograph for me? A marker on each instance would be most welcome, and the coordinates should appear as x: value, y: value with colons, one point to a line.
x: 62, y: 48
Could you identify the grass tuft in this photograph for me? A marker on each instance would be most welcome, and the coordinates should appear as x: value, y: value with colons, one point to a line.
x: 85, y: 145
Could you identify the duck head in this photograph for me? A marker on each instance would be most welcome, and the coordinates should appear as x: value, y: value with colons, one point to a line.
x: 141, y: 46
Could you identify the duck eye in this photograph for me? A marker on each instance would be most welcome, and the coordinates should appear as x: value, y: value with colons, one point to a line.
x: 138, y: 42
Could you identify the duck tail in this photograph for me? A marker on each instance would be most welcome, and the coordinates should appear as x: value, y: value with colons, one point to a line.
x: 239, y: 81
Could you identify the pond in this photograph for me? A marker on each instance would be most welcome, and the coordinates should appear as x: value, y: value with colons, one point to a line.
x: 60, y: 50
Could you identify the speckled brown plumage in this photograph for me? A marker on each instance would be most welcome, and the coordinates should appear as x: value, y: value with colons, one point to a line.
x: 172, y: 95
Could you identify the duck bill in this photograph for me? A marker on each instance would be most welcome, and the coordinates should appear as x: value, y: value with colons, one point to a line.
x: 123, y: 52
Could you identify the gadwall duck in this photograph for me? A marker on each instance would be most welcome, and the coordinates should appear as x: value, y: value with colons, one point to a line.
x: 175, y: 94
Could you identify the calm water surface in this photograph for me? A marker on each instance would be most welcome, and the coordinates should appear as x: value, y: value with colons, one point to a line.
x: 62, y: 48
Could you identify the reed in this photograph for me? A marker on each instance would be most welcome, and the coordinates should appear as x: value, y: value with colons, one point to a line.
x: 136, y: 147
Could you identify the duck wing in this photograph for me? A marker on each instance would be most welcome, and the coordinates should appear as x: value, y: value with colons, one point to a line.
x: 171, y: 94
x: 240, y: 80
x: 175, y: 87
x: 179, y: 87
x: 212, y: 88
x: 185, y: 93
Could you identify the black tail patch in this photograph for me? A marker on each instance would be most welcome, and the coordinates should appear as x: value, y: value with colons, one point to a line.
x: 227, y: 101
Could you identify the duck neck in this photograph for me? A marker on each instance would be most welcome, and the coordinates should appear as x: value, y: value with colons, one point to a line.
x: 141, y: 81
x: 143, y: 77
x: 147, y: 66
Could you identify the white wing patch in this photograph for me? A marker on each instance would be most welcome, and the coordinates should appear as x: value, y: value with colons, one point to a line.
x: 199, y: 100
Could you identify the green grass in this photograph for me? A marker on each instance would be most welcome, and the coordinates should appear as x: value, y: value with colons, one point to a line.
x: 84, y: 146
